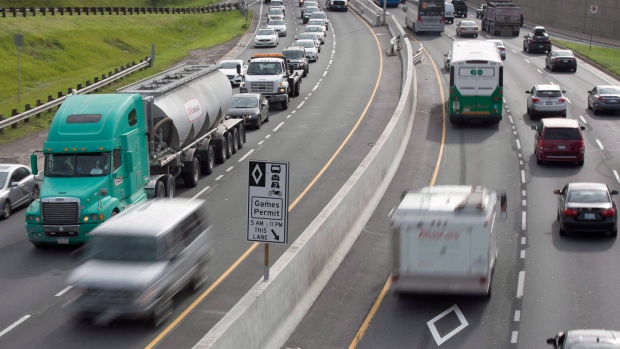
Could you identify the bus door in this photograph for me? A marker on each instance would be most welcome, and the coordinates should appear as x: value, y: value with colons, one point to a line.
x: 476, y: 84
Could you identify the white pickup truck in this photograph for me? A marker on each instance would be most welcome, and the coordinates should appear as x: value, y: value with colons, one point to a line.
x: 270, y: 75
x: 443, y: 240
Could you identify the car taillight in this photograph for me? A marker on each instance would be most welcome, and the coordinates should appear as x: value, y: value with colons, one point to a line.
x: 535, y: 100
x: 474, y: 28
x: 443, y: 19
x: 502, y: 49
x: 541, y: 144
x: 570, y: 212
x: 600, y: 98
x: 562, y: 99
x: 419, y: 18
x: 581, y: 145
x: 608, y: 213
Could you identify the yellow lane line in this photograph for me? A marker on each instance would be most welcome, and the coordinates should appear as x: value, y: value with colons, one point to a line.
x: 373, y: 310
x: 217, y: 282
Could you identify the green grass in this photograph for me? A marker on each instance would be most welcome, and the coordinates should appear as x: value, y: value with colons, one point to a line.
x: 63, y: 51
x: 105, y: 3
x: 606, y: 57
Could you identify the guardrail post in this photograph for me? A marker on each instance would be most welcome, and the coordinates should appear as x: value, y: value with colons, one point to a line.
x: 23, y: 11
x: 13, y: 113
x: 3, y: 12
x: 27, y: 107
x: 14, y: 11
x: 86, y: 11
x: 78, y: 11
x: 34, y: 11
x: 78, y: 87
x: 1, y: 129
x: 70, y: 10
x: 61, y: 10
x: 43, y: 10
x: 53, y: 11
x: 131, y: 10
x: 124, y: 9
x: 116, y: 10
x: 38, y: 115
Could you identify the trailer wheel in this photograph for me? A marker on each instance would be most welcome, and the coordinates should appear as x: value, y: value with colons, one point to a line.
x: 160, y: 189
x: 241, y: 135
x: 229, y: 145
x: 235, y: 141
x: 206, y: 164
x: 191, y: 178
x: 169, y: 183
x: 220, y: 156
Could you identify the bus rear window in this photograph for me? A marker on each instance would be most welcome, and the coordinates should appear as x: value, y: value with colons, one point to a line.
x: 474, y: 72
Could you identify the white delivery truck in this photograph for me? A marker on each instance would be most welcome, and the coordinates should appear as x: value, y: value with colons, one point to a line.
x: 443, y: 240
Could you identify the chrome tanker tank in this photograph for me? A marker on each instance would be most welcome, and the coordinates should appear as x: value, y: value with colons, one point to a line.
x: 190, y: 100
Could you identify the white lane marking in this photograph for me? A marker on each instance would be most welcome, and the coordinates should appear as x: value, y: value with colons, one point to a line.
x: 300, y: 104
x: 600, y: 145
x: 521, y: 284
x: 293, y: 112
x: 305, y: 99
x: 523, y: 224
x: 518, y: 145
x: 538, y: 70
x: 219, y: 177
x: 201, y: 192
x: 320, y: 80
x: 521, y: 162
x: 333, y: 51
x: 522, y: 176
x: 514, y: 131
x: 309, y: 94
x: 248, y: 154
x: 267, y: 136
x: 330, y: 62
x: 569, y: 102
x: 515, y: 335
x: 510, y: 118
x: 277, y: 127
x: 288, y: 116
x: 523, y: 240
x: 230, y: 168
x: 582, y: 119
x: 431, y: 324
x: 513, y: 51
x: 392, y: 210
x: 523, y: 202
x: 504, y: 99
x: 63, y: 291
x: 522, y: 254
x: 527, y: 61
x: 15, y: 324
x: 523, y: 193
x: 617, y: 177
x: 261, y: 142
x: 517, y: 315
x: 315, y: 87
x: 324, y: 73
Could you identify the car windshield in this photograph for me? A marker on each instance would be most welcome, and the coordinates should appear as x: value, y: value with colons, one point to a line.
x: 229, y: 65
x: 311, y: 10
x: 308, y: 36
x: 243, y: 102
x: 277, y: 4
x: 499, y: 43
x: 275, y: 11
x: 314, y: 29
x: 265, y: 32
x: 275, y: 22
x: 540, y: 32
x: 550, y: 94
x: 318, y: 15
x: 562, y: 134
x: 292, y: 54
x: 564, y: 53
x: 306, y: 44
x: 604, y: 90
x: 77, y: 165
x: 588, y: 196
x: 311, y: 4
x: 315, y: 22
x: 123, y: 248
x: 468, y: 24
x: 264, y: 68
x: 3, y: 177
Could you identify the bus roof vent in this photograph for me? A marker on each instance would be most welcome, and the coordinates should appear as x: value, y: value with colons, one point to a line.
x: 474, y: 200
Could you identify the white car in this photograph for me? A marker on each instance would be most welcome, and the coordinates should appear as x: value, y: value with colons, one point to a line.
x: 311, y: 52
x: 322, y: 16
x: 266, y: 37
x: 278, y: 25
x: 317, y: 22
x: 277, y: 4
x: 319, y: 29
x: 311, y: 36
x: 229, y: 68
x: 274, y: 12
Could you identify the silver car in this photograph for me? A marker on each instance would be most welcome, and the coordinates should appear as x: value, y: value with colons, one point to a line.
x: 310, y: 36
x: 311, y: 51
x: 546, y: 99
x: 266, y: 37
x: 317, y: 22
x: 278, y: 25
x: 322, y: 16
x: 320, y: 30
x: 500, y: 47
x: 230, y: 66
x: 17, y: 187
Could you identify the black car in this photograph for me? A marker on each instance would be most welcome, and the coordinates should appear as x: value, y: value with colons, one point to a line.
x: 561, y: 59
x: 537, y: 40
x: 604, y: 97
x: 587, y: 338
x: 252, y: 107
x: 297, y: 59
x: 587, y: 207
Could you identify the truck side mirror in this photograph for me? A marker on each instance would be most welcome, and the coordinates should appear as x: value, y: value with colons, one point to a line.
x: 504, y: 206
x: 33, y: 164
x: 238, y: 69
x: 533, y: 127
x: 129, y: 161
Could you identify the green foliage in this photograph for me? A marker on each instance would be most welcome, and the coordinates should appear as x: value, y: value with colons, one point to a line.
x: 606, y: 57
x: 106, y: 3
x: 62, y: 51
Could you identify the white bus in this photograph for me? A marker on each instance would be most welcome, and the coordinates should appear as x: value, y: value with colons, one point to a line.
x: 476, y: 81
x: 428, y: 16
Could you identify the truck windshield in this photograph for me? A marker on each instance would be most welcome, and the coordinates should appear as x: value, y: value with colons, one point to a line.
x: 123, y: 248
x: 264, y: 68
x: 77, y: 165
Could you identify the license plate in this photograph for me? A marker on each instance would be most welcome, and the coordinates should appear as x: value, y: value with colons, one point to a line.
x: 561, y: 147
x: 540, y: 46
x: 564, y: 61
x: 613, y: 101
x: 466, y: 109
x: 549, y: 103
x: 589, y: 216
x: 63, y: 241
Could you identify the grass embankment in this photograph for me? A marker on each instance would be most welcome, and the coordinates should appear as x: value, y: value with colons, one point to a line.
x: 606, y: 57
x: 105, y: 3
x: 63, y: 51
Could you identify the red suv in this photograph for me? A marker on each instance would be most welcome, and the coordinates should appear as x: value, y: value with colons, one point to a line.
x: 559, y: 139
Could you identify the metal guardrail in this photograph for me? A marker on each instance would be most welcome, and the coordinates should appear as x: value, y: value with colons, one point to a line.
x: 88, y: 89
x: 418, y: 57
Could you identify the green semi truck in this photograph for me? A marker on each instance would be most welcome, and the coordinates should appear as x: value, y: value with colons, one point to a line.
x: 106, y: 152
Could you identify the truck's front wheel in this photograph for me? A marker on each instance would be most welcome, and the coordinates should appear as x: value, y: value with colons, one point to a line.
x: 284, y: 104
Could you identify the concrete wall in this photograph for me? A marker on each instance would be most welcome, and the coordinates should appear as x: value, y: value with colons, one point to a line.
x: 572, y: 15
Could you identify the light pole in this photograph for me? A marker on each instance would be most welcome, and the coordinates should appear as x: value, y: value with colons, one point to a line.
x: 384, y: 10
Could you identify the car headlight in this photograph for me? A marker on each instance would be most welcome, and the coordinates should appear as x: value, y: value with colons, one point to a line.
x: 302, y: 64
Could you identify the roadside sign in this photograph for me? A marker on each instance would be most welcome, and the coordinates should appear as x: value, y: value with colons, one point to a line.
x: 593, y: 9
x: 268, y: 202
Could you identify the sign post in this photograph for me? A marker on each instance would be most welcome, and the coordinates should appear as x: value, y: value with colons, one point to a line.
x: 19, y: 42
x: 268, y: 204
x: 593, y: 11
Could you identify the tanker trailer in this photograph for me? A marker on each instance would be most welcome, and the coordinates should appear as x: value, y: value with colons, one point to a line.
x: 105, y: 152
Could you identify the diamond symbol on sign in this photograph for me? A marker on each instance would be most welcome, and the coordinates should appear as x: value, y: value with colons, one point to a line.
x: 257, y: 174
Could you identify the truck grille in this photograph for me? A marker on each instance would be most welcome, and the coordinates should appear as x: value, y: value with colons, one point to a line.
x: 294, y: 65
x: 108, y: 297
x: 60, y: 211
x: 261, y: 87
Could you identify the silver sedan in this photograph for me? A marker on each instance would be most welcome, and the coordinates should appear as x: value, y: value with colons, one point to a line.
x: 17, y: 188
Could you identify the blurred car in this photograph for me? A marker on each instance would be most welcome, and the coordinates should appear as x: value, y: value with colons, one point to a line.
x: 17, y: 187
x: 559, y: 140
x: 604, y: 97
x: 275, y: 13
x: 277, y: 4
x: 537, y: 40
x: 311, y: 51
x: 138, y: 261
x: 278, y: 25
x: 546, y: 99
x: 585, y: 339
x: 447, y: 57
x: 317, y: 22
x: 561, y: 59
x: 500, y: 47
x: 307, y: 12
x: 318, y: 29
x: 309, y: 3
x: 253, y: 108
x: 311, y: 36
x: 297, y: 58
x: 480, y: 11
x: 266, y: 37
x: 322, y: 16
x: 467, y: 28
x: 587, y: 207
x: 229, y: 68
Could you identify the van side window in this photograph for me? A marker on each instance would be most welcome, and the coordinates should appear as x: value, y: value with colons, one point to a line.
x: 117, y: 158
x: 185, y: 233
x: 132, y: 117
